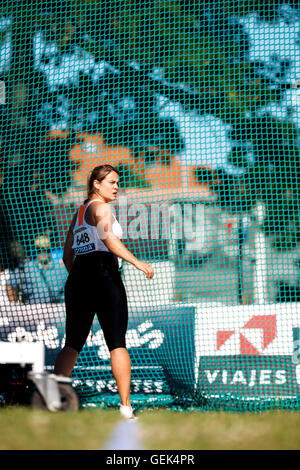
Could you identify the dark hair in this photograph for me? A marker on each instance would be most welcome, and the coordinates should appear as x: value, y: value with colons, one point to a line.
x: 98, y: 173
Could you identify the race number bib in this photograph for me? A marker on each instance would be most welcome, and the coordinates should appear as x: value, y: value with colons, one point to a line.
x: 83, y: 241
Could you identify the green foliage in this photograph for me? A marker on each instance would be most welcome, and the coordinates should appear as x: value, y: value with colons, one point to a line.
x: 129, y: 179
x: 172, y: 34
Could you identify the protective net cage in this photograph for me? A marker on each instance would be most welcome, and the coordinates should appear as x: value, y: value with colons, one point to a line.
x: 196, y: 104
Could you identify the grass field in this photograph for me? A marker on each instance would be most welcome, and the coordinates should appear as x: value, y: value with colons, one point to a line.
x: 26, y: 429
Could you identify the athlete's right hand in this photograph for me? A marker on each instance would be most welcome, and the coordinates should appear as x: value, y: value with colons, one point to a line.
x: 146, y: 268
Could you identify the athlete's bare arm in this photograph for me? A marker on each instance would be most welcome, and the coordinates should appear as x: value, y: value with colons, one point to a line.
x: 68, y: 256
x: 102, y: 215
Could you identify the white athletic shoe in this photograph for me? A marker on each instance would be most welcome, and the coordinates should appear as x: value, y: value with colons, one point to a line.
x: 127, y: 412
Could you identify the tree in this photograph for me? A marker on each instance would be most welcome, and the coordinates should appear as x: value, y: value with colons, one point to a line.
x: 30, y: 164
x: 197, y: 46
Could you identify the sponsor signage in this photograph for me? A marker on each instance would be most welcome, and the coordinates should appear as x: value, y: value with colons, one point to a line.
x: 248, y: 350
x: 160, y: 341
x: 248, y: 376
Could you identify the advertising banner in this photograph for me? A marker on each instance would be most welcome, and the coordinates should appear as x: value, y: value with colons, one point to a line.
x: 242, y: 351
x: 248, y: 350
x: 160, y: 342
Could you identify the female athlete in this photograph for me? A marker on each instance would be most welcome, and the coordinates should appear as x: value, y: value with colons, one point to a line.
x: 94, y: 284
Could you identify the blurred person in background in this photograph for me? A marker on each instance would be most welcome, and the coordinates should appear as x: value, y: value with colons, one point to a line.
x: 39, y: 280
x: 4, y: 295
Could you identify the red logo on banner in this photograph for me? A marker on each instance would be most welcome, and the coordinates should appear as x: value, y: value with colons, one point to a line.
x: 267, y: 323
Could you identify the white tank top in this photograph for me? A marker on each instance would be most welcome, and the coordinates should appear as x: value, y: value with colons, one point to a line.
x: 86, y: 238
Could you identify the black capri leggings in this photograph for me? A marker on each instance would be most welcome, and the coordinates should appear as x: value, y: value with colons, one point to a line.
x: 94, y: 286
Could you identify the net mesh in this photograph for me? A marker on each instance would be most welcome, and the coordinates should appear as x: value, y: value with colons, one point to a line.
x: 196, y: 104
